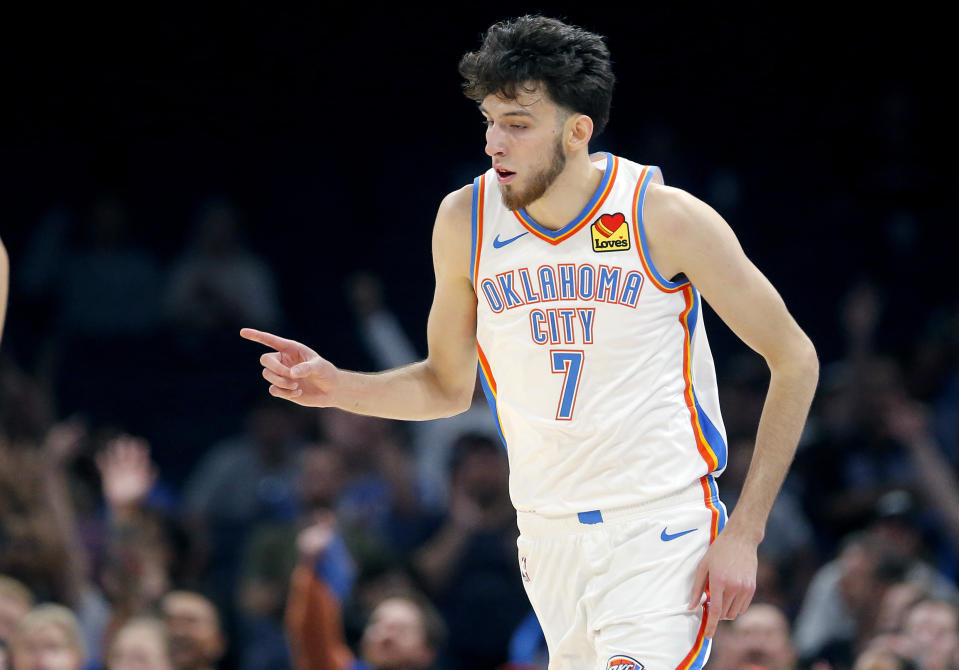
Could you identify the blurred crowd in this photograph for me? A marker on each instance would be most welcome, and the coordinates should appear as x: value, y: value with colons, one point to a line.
x: 152, y: 524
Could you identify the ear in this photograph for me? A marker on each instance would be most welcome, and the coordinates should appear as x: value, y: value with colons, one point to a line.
x: 577, y: 132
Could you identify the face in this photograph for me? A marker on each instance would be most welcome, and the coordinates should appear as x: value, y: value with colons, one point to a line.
x: 484, y: 474
x: 194, y: 630
x: 763, y: 638
x: 394, y: 638
x: 321, y: 476
x: 46, y: 648
x: 12, y: 610
x: 857, y: 581
x: 524, y: 139
x: 139, y: 647
x: 932, y: 625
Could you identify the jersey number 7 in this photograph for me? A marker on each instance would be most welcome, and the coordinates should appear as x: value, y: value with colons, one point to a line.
x: 570, y: 365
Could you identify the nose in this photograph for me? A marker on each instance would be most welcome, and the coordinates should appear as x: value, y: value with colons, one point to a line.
x: 495, y: 144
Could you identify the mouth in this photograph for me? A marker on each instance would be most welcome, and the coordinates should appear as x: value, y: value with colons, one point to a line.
x: 504, y: 176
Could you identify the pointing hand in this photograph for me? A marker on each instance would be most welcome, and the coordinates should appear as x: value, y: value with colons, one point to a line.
x: 295, y: 372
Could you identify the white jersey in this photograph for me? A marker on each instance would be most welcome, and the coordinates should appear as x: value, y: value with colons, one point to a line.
x: 596, y: 367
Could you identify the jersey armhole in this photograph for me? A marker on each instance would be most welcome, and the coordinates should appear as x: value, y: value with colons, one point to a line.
x: 476, y: 227
x: 650, y: 174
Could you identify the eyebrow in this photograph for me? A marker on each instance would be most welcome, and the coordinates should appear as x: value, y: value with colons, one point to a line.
x: 518, y: 112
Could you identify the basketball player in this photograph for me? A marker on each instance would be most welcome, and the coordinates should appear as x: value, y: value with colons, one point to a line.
x: 575, y: 281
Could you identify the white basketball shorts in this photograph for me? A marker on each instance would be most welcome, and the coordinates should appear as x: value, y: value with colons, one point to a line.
x: 611, y: 587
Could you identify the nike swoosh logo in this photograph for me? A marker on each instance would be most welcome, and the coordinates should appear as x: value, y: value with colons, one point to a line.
x: 497, y: 242
x: 666, y: 537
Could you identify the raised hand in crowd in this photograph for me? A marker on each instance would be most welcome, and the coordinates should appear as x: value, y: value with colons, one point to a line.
x: 126, y: 473
x: 316, y: 538
x: 910, y: 423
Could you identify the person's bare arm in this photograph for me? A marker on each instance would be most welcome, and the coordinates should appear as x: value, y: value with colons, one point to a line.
x: 4, y: 285
x: 687, y: 236
x: 441, y: 385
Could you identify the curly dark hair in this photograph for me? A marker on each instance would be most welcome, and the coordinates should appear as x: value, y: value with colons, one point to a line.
x: 573, y: 65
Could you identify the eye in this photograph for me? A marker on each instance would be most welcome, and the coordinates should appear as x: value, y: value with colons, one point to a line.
x: 517, y: 125
x: 486, y: 122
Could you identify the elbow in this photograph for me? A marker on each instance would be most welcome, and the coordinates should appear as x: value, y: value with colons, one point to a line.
x: 451, y: 394
x: 799, y: 360
x: 810, y: 359
x: 458, y: 402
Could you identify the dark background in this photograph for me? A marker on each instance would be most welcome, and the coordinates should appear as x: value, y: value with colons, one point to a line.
x: 823, y: 133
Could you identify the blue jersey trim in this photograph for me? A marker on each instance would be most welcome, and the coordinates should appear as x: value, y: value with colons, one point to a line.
x: 553, y: 234
x: 713, y: 437
x: 717, y: 503
x: 651, y: 171
x: 703, y: 655
x: 474, y: 225
x: 491, y: 399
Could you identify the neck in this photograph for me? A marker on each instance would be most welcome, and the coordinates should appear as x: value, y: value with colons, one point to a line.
x: 567, y: 196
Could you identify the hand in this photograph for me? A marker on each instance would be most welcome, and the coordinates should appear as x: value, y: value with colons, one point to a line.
x: 295, y: 372
x: 728, y: 571
x: 316, y: 538
x: 126, y: 473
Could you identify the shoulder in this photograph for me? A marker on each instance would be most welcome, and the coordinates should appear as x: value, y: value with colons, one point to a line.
x: 671, y: 208
x: 453, y: 220
x: 452, y: 233
x: 457, y: 206
x: 681, y: 229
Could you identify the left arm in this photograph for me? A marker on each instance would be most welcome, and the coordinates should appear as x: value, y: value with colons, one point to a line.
x: 687, y: 236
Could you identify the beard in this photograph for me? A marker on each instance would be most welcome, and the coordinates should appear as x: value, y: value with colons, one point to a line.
x: 515, y: 198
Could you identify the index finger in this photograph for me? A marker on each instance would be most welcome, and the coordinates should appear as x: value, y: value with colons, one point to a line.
x: 714, y: 611
x: 269, y: 339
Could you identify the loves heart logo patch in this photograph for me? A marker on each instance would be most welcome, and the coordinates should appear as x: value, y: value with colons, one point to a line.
x: 610, y: 232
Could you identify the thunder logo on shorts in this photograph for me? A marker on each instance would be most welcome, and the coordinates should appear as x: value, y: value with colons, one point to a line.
x: 623, y: 663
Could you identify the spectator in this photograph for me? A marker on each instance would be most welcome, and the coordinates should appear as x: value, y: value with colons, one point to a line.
x: 44, y: 547
x: 390, y: 347
x: 109, y: 287
x: 891, y: 616
x: 932, y: 631
x: 48, y: 638
x: 250, y: 476
x: 141, y: 644
x: 137, y: 559
x: 15, y: 601
x: 218, y: 283
x: 379, y: 510
x: 404, y: 632
x: 241, y: 481
x: 838, y: 613
x: 194, y: 630
x: 762, y: 639
x: 469, y: 564
x: 270, y: 557
x: 881, y: 659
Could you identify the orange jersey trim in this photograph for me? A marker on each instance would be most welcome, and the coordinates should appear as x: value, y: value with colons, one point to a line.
x: 531, y: 225
x: 480, y: 197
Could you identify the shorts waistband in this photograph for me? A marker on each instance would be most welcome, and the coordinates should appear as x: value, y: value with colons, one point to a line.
x: 538, y: 524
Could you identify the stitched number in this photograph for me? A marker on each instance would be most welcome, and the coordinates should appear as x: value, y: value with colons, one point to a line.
x: 569, y: 364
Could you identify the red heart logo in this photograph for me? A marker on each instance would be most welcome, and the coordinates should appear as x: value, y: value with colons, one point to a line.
x: 610, y: 223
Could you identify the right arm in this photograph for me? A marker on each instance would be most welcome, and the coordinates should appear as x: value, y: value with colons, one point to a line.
x: 441, y: 385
